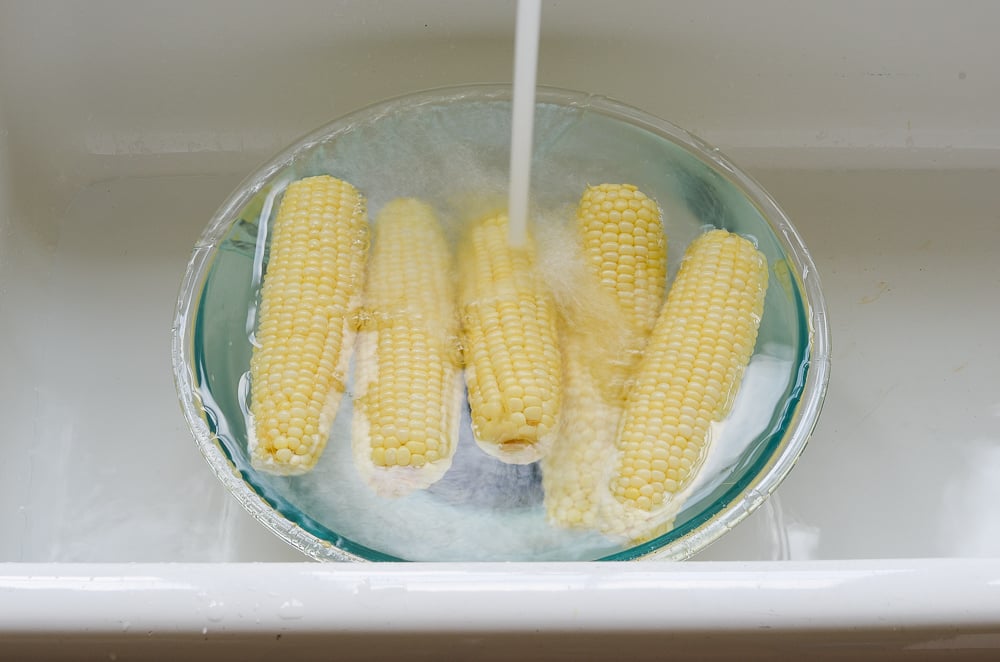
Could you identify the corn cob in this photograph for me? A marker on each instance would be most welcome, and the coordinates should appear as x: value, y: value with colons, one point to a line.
x: 624, y: 252
x: 407, y: 378
x: 512, y: 365
x: 574, y: 469
x: 621, y: 231
x: 309, y: 297
x: 688, y: 376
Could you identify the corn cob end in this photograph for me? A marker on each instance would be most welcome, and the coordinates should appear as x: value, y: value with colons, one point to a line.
x: 388, y: 476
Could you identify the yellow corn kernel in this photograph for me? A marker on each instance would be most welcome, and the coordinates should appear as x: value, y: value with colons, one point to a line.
x: 624, y: 255
x: 310, y: 294
x: 408, y: 380
x: 512, y: 364
x: 687, y: 378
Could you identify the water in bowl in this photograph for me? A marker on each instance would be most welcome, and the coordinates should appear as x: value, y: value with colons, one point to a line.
x: 453, y: 153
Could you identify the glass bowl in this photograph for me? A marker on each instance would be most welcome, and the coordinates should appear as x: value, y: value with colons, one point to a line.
x: 450, y: 146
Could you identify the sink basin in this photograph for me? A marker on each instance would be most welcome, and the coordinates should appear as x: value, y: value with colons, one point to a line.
x: 877, y: 130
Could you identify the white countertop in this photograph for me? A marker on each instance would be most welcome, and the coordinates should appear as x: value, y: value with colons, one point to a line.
x: 747, y: 611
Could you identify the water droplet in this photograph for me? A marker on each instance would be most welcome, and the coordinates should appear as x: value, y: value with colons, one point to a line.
x: 204, y: 630
x: 291, y: 610
x: 215, y: 611
x: 125, y: 626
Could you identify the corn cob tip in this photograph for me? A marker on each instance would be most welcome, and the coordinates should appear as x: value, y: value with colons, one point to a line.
x: 396, y: 480
x: 284, y: 464
x: 515, y: 450
x: 634, y: 526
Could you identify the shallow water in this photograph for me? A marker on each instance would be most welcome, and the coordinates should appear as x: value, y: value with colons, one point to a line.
x: 454, y: 156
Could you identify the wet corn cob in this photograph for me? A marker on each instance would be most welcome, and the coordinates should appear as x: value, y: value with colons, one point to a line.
x: 575, y: 469
x: 310, y: 294
x: 512, y: 363
x: 621, y: 234
x: 408, y: 379
x: 624, y: 254
x: 687, y: 378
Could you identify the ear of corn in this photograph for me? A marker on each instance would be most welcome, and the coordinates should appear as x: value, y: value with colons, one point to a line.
x: 621, y: 233
x: 407, y: 376
x: 624, y: 253
x: 574, y: 471
x: 512, y: 365
x: 310, y: 293
x: 687, y: 378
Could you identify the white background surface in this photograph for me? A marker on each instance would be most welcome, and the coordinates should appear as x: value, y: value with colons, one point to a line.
x: 876, y: 125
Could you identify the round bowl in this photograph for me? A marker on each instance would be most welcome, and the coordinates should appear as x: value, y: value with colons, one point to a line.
x: 450, y: 146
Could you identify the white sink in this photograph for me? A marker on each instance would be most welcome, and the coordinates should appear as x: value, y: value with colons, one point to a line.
x: 875, y: 125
